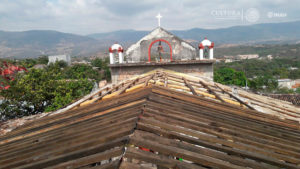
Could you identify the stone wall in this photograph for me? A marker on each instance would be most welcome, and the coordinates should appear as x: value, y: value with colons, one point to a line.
x: 181, y: 50
x: 203, y: 68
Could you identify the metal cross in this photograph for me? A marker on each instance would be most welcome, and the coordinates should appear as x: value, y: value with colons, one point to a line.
x: 158, y: 17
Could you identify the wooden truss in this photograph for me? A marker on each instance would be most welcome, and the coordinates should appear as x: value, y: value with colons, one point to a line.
x: 145, y: 123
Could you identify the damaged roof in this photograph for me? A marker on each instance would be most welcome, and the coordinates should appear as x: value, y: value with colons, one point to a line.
x: 161, y: 119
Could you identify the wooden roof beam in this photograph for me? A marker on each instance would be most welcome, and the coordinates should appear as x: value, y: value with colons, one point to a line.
x: 211, y: 91
x: 190, y: 87
x: 236, y: 98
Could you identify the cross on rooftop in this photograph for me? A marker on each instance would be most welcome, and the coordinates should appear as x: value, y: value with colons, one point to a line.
x: 158, y: 17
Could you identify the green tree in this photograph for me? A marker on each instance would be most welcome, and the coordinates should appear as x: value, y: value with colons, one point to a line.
x: 229, y: 76
x: 298, y: 90
x: 79, y: 71
x: 43, y: 60
x: 41, y: 90
x: 28, y: 63
x: 98, y: 63
x: 264, y: 83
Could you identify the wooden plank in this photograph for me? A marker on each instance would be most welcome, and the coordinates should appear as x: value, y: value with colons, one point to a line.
x: 201, y: 150
x: 73, y: 155
x: 158, y: 159
x: 210, y: 90
x: 111, y: 165
x: 127, y: 86
x: 128, y: 165
x: 215, y: 140
x: 220, y: 124
x: 190, y: 87
x: 236, y: 98
x: 75, y: 163
x: 217, y: 106
x: 180, y: 153
x: 106, y: 104
x: 69, y: 131
x: 71, y: 122
x: 205, y: 125
x: 147, y: 81
x: 228, y: 137
x: 241, y: 153
x: 239, y: 119
x: 66, y: 141
x: 73, y: 148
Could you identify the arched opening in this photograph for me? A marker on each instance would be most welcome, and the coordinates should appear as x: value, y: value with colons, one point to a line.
x: 113, y: 50
x: 159, y: 40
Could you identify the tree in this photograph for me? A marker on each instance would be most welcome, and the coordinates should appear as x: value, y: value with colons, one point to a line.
x: 8, y: 73
x: 43, y: 60
x: 266, y: 83
x: 102, y: 64
x: 41, y: 90
x: 98, y: 63
x: 229, y: 76
x: 79, y: 71
x: 298, y: 90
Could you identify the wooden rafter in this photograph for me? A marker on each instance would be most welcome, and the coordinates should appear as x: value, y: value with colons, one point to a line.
x: 236, y: 98
x: 190, y: 86
x: 158, y: 126
x: 210, y: 90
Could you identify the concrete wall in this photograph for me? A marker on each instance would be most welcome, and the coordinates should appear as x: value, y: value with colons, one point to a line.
x: 54, y: 58
x: 120, y: 72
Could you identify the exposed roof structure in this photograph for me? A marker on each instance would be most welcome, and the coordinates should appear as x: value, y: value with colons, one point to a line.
x: 161, y: 119
x: 293, y: 98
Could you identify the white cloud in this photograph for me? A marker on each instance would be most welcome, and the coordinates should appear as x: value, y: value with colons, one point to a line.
x: 91, y: 16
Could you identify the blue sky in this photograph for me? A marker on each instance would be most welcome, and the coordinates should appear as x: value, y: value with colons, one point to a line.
x: 93, y: 16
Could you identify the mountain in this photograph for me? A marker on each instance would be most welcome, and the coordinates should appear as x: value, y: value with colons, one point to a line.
x: 43, y: 42
x: 252, y: 34
x: 126, y: 37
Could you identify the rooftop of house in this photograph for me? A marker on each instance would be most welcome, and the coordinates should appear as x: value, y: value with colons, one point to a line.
x: 160, y: 119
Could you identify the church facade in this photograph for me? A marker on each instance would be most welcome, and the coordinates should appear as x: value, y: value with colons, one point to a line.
x: 161, y: 49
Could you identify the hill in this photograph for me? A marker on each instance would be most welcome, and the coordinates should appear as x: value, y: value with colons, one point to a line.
x: 46, y: 42
x: 287, y: 32
x: 39, y: 42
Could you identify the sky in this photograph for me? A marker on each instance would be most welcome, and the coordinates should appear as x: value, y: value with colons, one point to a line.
x: 96, y: 16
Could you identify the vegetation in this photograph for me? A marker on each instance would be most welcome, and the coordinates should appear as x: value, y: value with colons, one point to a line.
x: 102, y: 65
x: 262, y: 74
x: 279, y: 68
x: 229, y: 76
x: 49, y: 89
x: 286, y: 51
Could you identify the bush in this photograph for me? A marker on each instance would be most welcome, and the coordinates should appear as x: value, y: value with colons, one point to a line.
x: 41, y: 90
x: 229, y: 76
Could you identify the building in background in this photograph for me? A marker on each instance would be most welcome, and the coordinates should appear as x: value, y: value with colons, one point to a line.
x: 161, y: 49
x: 55, y: 58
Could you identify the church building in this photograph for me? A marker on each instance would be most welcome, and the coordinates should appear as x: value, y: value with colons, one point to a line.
x: 161, y: 111
x: 161, y: 49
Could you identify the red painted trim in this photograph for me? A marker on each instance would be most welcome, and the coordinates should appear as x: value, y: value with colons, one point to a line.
x: 120, y: 50
x: 150, y: 46
x: 201, y: 46
x: 212, y: 45
x: 110, y: 50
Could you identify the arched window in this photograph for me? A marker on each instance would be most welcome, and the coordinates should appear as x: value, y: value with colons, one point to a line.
x: 116, y: 48
x: 210, y: 45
